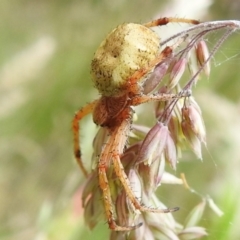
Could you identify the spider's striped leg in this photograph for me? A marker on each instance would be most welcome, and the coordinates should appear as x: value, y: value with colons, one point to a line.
x: 120, y: 136
x: 118, y: 167
x: 104, y: 185
x: 159, y: 97
x: 75, y: 128
x: 166, y: 20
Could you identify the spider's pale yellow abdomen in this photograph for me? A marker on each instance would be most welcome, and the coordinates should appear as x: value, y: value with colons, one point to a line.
x: 128, y: 48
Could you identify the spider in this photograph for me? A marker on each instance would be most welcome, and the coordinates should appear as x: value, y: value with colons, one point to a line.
x: 119, y: 69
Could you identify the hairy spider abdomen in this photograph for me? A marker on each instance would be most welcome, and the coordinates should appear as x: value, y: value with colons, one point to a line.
x: 128, y: 48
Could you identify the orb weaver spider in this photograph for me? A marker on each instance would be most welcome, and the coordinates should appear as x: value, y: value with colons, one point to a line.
x: 120, y: 69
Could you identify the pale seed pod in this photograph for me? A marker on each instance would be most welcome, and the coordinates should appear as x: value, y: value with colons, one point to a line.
x: 171, y: 152
x: 155, y: 78
x: 122, y: 211
x: 193, y: 102
x: 142, y: 233
x: 98, y: 142
x: 202, y: 54
x: 145, y: 173
x: 164, y: 233
x: 195, y: 215
x: 153, y: 144
x: 172, y: 64
x: 177, y: 72
x: 193, y: 65
x: 191, y: 137
x: 214, y: 207
x: 153, y: 218
x: 158, y: 170
x: 93, y: 211
x: 135, y: 183
x: 129, y: 156
x: 175, y: 130
x: 192, y: 116
x: 169, y: 178
x: 151, y: 175
x: 192, y: 233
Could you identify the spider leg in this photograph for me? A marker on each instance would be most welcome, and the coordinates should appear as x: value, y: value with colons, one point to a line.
x: 118, y: 167
x: 166, y: 20
x: 75, y: 128
x: 158, y: 97
x: 104, y: 185
x: 115, y: 144
x: 120, y: 136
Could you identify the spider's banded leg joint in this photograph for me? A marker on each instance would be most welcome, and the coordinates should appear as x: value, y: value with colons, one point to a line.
x: 78, y: 153
x: 166, y: 20
x: 79, y: 115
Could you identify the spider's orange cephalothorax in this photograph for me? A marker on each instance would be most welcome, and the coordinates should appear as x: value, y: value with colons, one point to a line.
x: 128, y: 48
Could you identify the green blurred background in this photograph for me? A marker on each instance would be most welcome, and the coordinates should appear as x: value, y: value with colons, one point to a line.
x: 45, y: 52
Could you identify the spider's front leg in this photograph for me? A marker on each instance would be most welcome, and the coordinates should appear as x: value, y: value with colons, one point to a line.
x: 163, y: 97
x: 75, y: 128
x: 166, y: 20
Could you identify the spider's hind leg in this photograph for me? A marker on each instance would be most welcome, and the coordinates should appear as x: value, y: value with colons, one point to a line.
x: 119, y: 138
x: 108, y: 204
x: 105, y: 187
